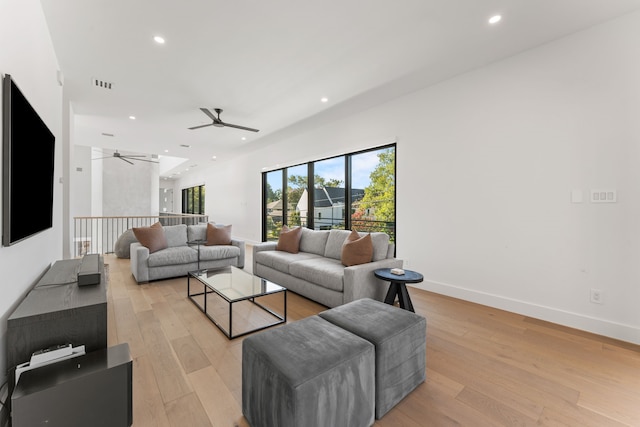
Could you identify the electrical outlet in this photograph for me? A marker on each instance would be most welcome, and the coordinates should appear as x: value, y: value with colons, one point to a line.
x: 597, y: 296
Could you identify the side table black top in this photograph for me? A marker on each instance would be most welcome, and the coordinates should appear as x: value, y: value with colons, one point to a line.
x: 397, y: 286
x: 408, y: 276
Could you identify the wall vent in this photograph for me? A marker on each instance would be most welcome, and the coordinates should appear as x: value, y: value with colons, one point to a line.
x: 101, y: 84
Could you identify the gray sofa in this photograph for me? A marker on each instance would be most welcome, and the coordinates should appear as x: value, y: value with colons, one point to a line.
x: 317, y: 273
x: 179, y: 258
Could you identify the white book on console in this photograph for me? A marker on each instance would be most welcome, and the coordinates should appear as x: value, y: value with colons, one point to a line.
x: 51, y: 353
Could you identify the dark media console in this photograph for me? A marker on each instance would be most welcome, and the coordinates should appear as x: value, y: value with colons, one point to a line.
x: 90, y: 390
x: 67, y: 308
x: 58, y: 311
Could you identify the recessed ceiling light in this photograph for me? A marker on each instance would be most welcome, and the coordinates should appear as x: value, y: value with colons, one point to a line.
x: 132, y: 117
x: 244, y: 138
x: 214, y: 157
x: 495, y: 19
x: 185, y: 145
x: 324, y: 99
x: 166, y: 151
x: 158, y: 39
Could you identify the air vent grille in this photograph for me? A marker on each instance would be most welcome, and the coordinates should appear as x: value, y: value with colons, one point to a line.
x: 101, y: 84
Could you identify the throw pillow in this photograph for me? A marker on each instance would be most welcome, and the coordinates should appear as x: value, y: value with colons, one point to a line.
x: 289, y: 240
x: 151, y: 237
x: 218, y: 235
x: 357, y: 250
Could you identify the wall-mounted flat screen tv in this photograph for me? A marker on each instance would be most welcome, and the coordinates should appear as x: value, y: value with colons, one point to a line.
x: 28, y: 158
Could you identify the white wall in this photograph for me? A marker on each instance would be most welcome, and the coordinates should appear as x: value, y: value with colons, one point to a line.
x: 486, y: 162
x: 26, y: 52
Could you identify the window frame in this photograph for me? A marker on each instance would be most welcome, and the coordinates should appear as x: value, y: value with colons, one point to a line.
x: 189, y: 201
x: 311, y: 185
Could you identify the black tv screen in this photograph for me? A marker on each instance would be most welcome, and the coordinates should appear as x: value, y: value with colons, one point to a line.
x: 28, y: 158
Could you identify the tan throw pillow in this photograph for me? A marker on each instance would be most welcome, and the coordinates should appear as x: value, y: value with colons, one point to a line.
x: 218, y: 235
x: 357, y: 250
x: 289, y: 240
x: 151, y: 237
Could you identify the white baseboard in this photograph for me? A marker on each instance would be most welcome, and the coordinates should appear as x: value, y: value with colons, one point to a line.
x: 594, y: 325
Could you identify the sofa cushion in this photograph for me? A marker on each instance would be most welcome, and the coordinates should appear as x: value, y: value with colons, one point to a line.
x: 208, y: 253
x: 176, y: 234
x: 334, y: 243
x: 337, y: 238
x: 153, y: 237
x: 289, y: 240
x: 173, y: 256
x: 280, y: 260
x: 313, y: 241
x: 326, y: 272
x: 380, y: 245
x: 196, y: 232
x: 357, y: 249
x: 218, y: 235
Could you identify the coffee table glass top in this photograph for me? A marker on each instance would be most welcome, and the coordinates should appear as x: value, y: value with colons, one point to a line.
x: 235, y: 284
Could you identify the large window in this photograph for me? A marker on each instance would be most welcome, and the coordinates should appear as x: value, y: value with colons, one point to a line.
x: 354, y: 191
x: 272, y: 204
x: 373, y: 203
x: 297, y: 195
x: 329, y: 194
x: 193, y: 200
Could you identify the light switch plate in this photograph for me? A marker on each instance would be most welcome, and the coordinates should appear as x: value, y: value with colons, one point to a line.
x: 604, y: 196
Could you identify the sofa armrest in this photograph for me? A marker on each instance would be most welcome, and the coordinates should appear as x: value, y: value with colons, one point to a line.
x: 139, y: 262
x: 264, y: 246
x: 240, y: 244
x: 360, y: 282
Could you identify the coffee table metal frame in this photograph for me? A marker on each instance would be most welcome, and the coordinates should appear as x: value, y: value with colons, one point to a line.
x: 260, y: 288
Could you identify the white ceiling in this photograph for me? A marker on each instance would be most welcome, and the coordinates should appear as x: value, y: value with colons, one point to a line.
x: 268, y: 63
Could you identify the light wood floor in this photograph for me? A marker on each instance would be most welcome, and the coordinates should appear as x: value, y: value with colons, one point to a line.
x: 485, y: 367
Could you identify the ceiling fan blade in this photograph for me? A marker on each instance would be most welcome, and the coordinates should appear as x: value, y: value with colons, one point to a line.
x: 240, y: 127
x: 201, y: 126
x: 135, y: 155
x: 125, y: 160
x: 145, y: 160
x: 209, y: 113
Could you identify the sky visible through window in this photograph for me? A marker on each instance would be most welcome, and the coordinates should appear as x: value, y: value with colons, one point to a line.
x: 362, y: 166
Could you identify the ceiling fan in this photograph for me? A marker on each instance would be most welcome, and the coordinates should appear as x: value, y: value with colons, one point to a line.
x: 127, y: 158
x: 219, y: 123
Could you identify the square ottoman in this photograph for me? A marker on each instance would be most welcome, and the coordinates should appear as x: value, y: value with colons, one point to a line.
x: 308, y: 373
x: 399, y: 337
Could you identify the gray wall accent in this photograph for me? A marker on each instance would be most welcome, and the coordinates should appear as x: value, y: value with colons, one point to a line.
x: 128, y: 189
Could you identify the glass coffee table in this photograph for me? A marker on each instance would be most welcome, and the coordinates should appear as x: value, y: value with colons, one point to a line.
x: 257, y: 303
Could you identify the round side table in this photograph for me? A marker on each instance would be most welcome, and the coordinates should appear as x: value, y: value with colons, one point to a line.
x: 397, y: 286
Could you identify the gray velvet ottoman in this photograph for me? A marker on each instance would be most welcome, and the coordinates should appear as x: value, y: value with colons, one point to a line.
x: 400, y: 340
x: 308, y: 373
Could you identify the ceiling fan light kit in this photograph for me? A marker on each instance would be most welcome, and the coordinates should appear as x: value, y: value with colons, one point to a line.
x: 219, y: 123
